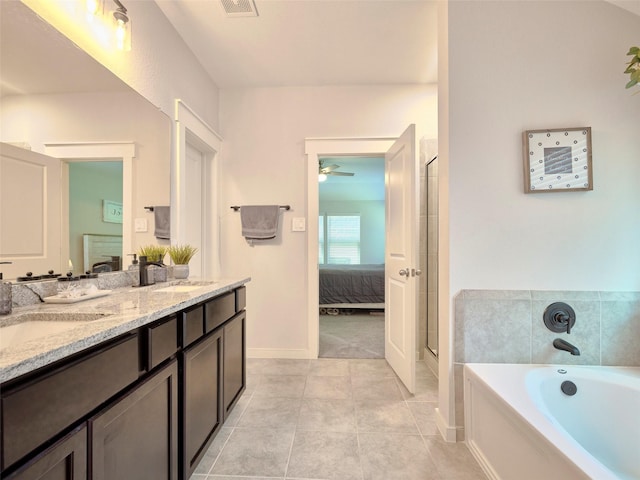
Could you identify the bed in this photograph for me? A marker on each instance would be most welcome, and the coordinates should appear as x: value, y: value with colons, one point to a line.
x: 352, y: 286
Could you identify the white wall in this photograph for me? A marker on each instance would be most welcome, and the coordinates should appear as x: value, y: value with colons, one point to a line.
x: 263, y: 162
x: 159, y: 66
x: 515, y: 66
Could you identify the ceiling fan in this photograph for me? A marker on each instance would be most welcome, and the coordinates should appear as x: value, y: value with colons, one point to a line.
x: 323, y: 171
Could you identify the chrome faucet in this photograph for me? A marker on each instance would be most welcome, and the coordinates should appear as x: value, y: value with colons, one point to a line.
x: 561, y: 344
x: 144, y: 271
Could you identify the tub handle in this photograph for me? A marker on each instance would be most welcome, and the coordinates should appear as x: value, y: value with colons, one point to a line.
x: 559, y: 317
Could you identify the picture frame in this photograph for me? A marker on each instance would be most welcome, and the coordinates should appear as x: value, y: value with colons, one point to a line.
x: 557, y: 160
x: 111, y: 211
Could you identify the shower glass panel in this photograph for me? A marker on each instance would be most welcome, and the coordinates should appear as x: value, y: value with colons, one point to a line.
x: 432, y: 255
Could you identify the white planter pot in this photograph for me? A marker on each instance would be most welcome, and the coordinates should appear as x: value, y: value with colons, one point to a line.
x: 180, y: 271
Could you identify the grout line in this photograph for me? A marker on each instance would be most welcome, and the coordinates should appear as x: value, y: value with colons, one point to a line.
x: 295, y: 426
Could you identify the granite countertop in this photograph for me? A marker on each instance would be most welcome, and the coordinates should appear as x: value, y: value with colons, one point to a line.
x: 124, y: 309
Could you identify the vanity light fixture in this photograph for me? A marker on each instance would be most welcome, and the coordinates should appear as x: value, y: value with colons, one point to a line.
x: 95, y: 8
x: 122, y: 26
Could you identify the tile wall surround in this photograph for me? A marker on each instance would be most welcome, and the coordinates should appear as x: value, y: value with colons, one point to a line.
x: 506, y: 326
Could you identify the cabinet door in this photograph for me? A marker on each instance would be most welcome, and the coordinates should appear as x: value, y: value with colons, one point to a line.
x: 234, y: 361
x: 136, y: 437
x: 65, y: 460
x: 201, y: 393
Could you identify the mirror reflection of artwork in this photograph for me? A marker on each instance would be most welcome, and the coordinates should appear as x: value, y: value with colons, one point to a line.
x: 557, y: 160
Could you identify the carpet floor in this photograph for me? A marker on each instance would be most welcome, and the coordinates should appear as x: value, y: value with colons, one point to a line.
x: 351, y: 336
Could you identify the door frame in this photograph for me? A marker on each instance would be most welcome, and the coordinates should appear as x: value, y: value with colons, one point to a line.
x: 96, y: 152
x: 314, y: 149
x: 190, y: 129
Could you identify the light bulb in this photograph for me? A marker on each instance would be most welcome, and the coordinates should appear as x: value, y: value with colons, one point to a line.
x: 122, y: 33
x: 93, y: 7
x: 322, y: 177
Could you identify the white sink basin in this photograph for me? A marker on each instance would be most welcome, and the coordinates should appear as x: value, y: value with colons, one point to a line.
x: 179, y: 288
x: 23, y: 332
x: 31, y: 326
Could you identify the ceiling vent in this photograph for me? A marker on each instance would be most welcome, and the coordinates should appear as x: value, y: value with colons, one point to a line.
x: 240, y: 8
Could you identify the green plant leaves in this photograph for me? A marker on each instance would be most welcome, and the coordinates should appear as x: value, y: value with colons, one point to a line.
x: 633, y: 67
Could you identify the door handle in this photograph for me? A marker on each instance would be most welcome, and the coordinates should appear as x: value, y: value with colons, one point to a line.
x: 416, y: 272
x: 404, y: 272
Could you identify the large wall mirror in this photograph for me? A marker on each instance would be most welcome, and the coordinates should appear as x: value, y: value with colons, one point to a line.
x: 68, y: 123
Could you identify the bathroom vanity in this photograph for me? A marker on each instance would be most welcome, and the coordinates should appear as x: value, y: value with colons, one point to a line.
x: 138, y: 392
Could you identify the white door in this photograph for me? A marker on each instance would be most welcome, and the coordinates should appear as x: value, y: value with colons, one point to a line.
x: 401, y: 257
x: 194, y: 207
x: 30, y: 214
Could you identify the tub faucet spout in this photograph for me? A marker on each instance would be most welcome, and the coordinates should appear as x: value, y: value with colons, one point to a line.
x: 561, y: 344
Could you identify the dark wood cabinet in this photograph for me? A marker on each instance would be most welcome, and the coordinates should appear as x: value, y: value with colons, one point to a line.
x: 65, y: 460
x: 137, y: 436
x: 39, y: 409
x: 234, y: 376
x: 144, y: 405
x: 202, y: 406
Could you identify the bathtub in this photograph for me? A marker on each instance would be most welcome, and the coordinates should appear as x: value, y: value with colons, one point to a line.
x: 519, y: 424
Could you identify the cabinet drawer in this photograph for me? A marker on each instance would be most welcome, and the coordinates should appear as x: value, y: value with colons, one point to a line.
x: 241, y: 298
x: 192, y: 325
x: 162, y: 341
x: 37, y: 411
x: 219, y: 310
x: 66, y: 459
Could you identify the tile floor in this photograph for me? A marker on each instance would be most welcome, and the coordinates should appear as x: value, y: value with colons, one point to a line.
x: 334, y: 419
x: 357, y: 335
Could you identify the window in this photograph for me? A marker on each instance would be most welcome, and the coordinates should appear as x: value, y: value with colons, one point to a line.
x: 339, y: 239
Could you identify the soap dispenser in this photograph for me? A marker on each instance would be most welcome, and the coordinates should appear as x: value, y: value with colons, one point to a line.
x: 6, y: 300
x: 134, y: 263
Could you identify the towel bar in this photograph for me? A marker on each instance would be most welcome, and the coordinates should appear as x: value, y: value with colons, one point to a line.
x: 236, y: 207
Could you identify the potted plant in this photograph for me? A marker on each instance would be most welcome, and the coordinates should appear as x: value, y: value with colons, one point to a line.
x: 154, y: 253
x: 180, y: 256
x: 633, y: 67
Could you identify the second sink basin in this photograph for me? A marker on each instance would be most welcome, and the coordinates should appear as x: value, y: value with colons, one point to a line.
x: 179, y: 288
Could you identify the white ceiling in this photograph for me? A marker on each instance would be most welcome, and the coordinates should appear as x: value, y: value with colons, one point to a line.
x: 367, y: 183
x: 312, y: 42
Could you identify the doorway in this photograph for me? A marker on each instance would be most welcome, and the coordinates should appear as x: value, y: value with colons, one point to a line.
x: 124, y: 153
x: 401, y: 244
x: 351, y: 226
x: 316, y: 148
x: 95, y: 214
x: 194, y: 201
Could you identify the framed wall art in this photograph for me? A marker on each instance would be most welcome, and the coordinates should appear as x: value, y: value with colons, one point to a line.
x: 557, y: 160
x: 111, y: 211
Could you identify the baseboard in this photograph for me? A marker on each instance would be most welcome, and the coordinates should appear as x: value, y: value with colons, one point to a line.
x: 278, y: 353
x: 449, y: 434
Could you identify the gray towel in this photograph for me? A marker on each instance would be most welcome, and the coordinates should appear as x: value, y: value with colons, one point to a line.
x: 163, y: 222
x: 259, y: 222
